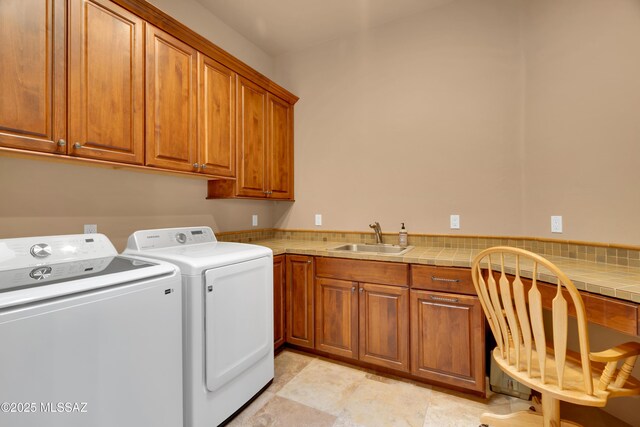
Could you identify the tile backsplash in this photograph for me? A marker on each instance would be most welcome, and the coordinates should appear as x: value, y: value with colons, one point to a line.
x: 600, y: 253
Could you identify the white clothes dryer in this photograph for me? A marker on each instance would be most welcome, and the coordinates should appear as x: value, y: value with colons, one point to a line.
x: 227, y: 318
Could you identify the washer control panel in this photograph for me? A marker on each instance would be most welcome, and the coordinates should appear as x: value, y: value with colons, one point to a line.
x: 37, y: 251
x: 168, y: 237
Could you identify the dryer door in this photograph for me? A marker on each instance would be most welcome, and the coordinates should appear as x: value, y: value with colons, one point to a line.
x: 238, y: 318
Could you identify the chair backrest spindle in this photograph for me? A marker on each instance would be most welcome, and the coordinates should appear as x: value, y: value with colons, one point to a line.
x: 515, y: 316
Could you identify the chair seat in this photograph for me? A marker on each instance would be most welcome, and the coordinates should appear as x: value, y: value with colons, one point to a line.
x: 573, y: 386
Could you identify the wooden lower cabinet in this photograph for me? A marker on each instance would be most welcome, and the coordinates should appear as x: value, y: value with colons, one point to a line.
x: 384, y: 325
x: 299, y: 300
x: 337, y: 317
x: 279, y: 337
x: 362, y: 311
x: 447, y: 339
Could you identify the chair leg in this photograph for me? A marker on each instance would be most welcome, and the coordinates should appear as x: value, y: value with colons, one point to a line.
x: 549, y: 416
x: 520, y: 418
x: 550, y: 411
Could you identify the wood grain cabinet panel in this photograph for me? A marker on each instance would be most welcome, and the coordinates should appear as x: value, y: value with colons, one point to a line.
x: 252, y: 144
x: 299, y: 301
x: 605, y: 311
x: 279, y: 268
x: 32, y: 75
x: 387, y: 273
x: 264, y: 147
x: 380, y: 332
x: 443, y: 279
x: 280, y: 149
x: 447, y: 339
x: 336, y: 310
x: 171, y: 71
x: 216, y: 118
x: 106, y: 82
x: 384, y: 325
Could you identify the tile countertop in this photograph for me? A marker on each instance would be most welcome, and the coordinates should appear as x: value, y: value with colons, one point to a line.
x: 605, y: 279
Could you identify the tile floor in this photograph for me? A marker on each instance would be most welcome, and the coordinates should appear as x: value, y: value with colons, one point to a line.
x: 313, y: 391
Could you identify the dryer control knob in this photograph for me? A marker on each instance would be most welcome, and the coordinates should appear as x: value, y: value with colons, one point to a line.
x: 181, y: 238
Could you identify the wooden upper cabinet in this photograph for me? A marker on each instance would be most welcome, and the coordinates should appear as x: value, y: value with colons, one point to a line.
x: 106, y: 82
x: 216, y: 118
x: 171, y: 95
x: 252, y: 144
x: 32, y: 75
x: 280, y: 149
x: 264, y: 147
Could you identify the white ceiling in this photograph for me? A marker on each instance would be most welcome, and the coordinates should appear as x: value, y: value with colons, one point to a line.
x: 279, y: 26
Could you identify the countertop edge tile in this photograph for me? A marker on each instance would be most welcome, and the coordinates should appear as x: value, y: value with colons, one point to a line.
x: 614, y: 281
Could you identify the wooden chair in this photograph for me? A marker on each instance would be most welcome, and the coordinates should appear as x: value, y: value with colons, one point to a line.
x: 514, y: 313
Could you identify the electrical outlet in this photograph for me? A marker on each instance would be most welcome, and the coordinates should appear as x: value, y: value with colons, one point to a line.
x: 556, y: 224
x: 254, y: 220
x: 454, y: 222
x: 90, y: 228
x: 318, y: 219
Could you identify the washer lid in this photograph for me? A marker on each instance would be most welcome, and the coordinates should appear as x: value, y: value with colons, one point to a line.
x: 31, y: 284
x: 196, y: 258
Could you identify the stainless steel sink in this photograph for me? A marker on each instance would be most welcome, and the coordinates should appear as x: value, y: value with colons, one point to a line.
x: 379, y: 248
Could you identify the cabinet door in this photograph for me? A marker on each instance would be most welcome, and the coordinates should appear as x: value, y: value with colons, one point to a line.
x: 252, y: 145
x: 447, y: 339
x: 384, y: 325
x: 299, y: 300
x: 337, y: 317
x: 280, y: 149
x: 171, y: 70
x: 32, y: 75
x: 216, y: 118
x: 106, y: 82
x: 278, y: 301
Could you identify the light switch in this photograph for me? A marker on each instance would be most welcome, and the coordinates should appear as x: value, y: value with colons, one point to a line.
x: 318, y: 219
x: 455, y: 222
x: 254, y: 220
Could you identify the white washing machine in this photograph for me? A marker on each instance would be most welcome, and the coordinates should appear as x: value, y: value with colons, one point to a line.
x: 227, y: 318
x: 87, y: 337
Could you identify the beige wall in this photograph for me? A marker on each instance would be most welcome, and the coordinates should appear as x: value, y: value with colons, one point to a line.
x: 411, y: 122
x: 582, y: 148
x: 47, y: 198
x: 202, y: 21
x: 504, y: 112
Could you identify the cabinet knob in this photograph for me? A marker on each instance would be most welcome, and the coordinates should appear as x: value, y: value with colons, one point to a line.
x: 270, y: 192
x: 309, y: 262
x: 353, y: 289
x: 77, y: 145
x: 62, y: 143
x: 196, y: 165
x: 361, y: 290
x: 265, y: 192
x: 203, y: 166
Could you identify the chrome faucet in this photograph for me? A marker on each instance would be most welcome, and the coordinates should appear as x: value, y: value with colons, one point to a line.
x: 377, y: 230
